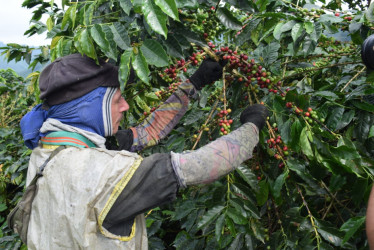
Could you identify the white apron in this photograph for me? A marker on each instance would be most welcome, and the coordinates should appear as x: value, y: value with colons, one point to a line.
x: 77, y: 190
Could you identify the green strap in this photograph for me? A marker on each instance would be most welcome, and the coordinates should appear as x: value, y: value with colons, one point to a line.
x: 58, y: 138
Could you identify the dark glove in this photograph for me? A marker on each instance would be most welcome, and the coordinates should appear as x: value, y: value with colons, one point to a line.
x: 125, y: 139
x: 255, y: 114
x: 367, y: 52
x: 208, y: 72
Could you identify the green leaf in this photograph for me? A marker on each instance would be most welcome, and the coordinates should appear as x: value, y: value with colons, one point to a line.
x: 175, y: 144
x: 346, y: 119
x: 345, y: 152
x: 183, y: 210
x: 363, y: 105
x: 209, y: 216
x: 141, y: 103
x: 296, y: 31
x: 126, y: 5
x: 173, y: 47
x: 154, y: 53
x: 245, y: 34
x: 112, y: 52
x: 248, y: 176
x: 193, y: 117
x: 351, y: 226
x: 315, y: 35
x: 190, y: 36
x: 88, y: 13
x: 73, y: 14
x: 364, y: 123
x: 369, y: 13
x: 66, y: 17
x: 371, y: 132
x: 329, y: 18
x: 354, y: 27
x: 141, y: 67
x: 237, y: 243
x: 248, y: 241
x: 120, y: 36
x: 268, y: 54
x: 309, y: 27
x: 228, y: 19
x: 155, y: 18
x: 295, y: 135
x: 250, y: 206
x: 277, y: 187
x: 305, y: 144
x: 263, y: 194
x: 50, y: 24
x: 278, y: 31
x: 262, y: 5
x: 187, y: 4
x: 329, y: 233
x: 137, y: 5
x: 257, y: 229
x: 124, y: 67
x: 152, y: 96
x: 327, y: 94
x: 99, y: 37
x: 287, y: 26
x: 3, y: 207
x: 335, y: 117
x: 309, y: 46
x: 236, y: 217
x: 359, y: 190
x: 169, y: 7
x: 219, y: 227
x: 86, y: 44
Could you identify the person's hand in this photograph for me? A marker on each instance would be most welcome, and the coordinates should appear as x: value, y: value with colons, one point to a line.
x: 255, y: 114
x: 208, y: 72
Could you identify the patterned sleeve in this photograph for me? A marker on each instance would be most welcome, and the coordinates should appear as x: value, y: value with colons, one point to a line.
x: 161, y: 121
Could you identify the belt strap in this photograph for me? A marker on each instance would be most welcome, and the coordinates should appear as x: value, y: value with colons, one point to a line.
x: 57, y: 138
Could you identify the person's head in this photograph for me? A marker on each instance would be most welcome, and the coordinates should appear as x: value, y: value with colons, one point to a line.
x: 72, y: 78
x: 78, y: 92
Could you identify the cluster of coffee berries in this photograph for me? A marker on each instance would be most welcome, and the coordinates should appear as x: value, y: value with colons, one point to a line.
x: 170, y: 73
x: 222, y: 121
x: 278, y: 144
x: 196, y: 58
x: 310, y: 115
x: 225, y: 126
x: 145, y: 113
x: 348, y: 18
x: 205, y: 23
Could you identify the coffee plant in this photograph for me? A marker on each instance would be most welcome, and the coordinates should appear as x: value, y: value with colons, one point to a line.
x: 308, y: 182
x: 16, y: 99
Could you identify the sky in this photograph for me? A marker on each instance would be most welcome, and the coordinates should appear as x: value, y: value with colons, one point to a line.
x: 14, y: 21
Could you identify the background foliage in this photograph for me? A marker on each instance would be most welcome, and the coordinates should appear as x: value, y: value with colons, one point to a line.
x: 308, y: 182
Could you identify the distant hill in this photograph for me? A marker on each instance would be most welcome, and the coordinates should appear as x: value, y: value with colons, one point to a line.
x: 21, y: 67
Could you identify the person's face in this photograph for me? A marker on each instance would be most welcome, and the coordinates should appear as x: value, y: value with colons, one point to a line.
x: 119, y: 105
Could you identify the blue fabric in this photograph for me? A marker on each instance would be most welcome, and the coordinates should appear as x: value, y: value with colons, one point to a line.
x: 84, y: 112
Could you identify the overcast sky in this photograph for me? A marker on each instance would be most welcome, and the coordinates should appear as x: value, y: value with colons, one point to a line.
x: 14, y: 21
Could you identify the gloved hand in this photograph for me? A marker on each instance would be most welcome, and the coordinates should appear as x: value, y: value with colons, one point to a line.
x: 255, y: 114
x: 367, y: 52
x: 208, y: 72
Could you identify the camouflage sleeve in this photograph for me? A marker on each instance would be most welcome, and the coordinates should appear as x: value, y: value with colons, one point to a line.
x: 217, y: 158
x: 161, y: 121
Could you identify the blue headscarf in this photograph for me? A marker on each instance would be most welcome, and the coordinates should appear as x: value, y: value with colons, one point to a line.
x: 85, y: 112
